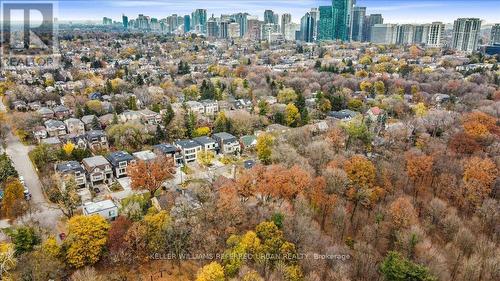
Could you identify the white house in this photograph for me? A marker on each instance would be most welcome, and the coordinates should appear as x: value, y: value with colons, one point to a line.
x: 105, y: 208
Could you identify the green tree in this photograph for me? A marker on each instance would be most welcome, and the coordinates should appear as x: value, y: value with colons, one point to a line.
x: 222, y: 123
x: 6, y: 168
x: 397, y: 268
x: 168, y: 116
x: 190, y: 123
x: 24, y: 238
x: 263, y: 107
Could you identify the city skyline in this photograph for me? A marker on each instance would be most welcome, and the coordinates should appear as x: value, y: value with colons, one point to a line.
x: 412, y: 11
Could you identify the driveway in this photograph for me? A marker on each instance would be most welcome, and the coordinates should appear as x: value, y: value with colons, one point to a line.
x: 42, y: 211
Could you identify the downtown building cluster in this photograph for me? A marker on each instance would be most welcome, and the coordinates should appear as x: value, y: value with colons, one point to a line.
x: 342, y: 21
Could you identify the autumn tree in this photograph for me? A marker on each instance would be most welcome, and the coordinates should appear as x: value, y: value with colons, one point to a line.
x: 479, y: 175
x: 66, y: 197
x: 87, y: 236
x: 402, y: 213
x: 362, y: 190
x: 116, y: 242
x: 322, y: 198
x: 211, y: 272
x: 205, y: 157
x: 292, y: 115
x: 13, y: 203
x: 419, y: 170
x: 480, y: 125
x: 8, y: 259
x: 6, y: 168
x: 151, y: 175
x: 264, y: 145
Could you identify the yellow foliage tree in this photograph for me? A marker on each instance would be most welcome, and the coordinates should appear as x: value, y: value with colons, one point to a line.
x: 68, y: 148
x: 287, y: 95
x: 379, y: 88
x: 420, y: 109
x: 366, y: 86
x: 13, y: 203
x: 206, y: 157
x: 7, y: 260
x: 292, y: 115
x: 264, y: 145
x: 202, y: 131
x: 87, y: 236
x: 211, y: 272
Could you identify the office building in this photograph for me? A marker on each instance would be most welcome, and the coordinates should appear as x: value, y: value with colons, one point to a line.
x: 199, y: 21
x: 307, y: 26
x: 325, y: 26
x: 358, y: 19
x: 242, y: 20
x: 212, y: 27
x: 125, y: 21
x: 342, y: 19
x: 405, y: 34
x: 234, y: 30
x: 224, y: 29
x: 269, y: 17
x: 268, y: 29
x: 384, y: 33
x: 107, y: 21
x: 187, y: 23
x: 370, y: 21
x: 254, y: 28
x: 466, y: 34
x: 495, y: 34
x: 290, y: 31
x: 285, y: 19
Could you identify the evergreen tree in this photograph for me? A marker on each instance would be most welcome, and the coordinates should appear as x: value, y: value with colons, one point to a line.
x: 168, y: 116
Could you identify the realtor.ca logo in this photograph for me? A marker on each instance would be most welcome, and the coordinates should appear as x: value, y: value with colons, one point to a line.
x: 28, y: 35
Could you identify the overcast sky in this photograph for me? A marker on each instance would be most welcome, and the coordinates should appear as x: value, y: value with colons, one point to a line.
x: 394, y: 11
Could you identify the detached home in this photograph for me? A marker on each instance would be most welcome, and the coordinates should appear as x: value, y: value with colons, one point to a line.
x: 75, y: 126
x: 207, y: 143
x: 189, y: 149
x: 119, y: 161
x: 96, y: 140
x: 228, y: 143
x: 169, y: 150
x: 105, y: 208
x: 72, y: 169
x: 98, y: 169
x: 55, y: 128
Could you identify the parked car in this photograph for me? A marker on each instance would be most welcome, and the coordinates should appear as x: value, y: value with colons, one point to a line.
x: 27, y: 194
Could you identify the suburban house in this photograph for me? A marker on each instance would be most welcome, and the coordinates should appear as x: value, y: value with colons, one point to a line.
x: 61, y: 112
x: 55, y: 128
x: 72, y: 169
x: 169, y: 150
x: 96, y: 140
x: 207, y: 143
x: 45, y: 113
x: 248, y: 141
x: 88, y: 122
x: 150, y: 117
x: 78, y: 140
x: 211, y: 107
x: 106, y: 208
x: 195, y: 107
x: 146, y: 155
x: 228, y: 143
x: 75, y: 126
x: 40, y: 132
x: 119, y: 161
x: 189, y: 149
x: 98, y: 169
x: 129, y: 116
x: 344, y: 114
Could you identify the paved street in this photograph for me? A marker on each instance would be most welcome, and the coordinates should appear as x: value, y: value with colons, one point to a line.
x: 42, y: 211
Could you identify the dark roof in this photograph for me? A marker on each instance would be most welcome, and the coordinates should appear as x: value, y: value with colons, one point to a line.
x: 94, y: 134
x: 186, y: 144
x: 204, y: 140
x: 342, y: 114
x: 70, y: 166
x: 165, y: 148
x: 119, y: 156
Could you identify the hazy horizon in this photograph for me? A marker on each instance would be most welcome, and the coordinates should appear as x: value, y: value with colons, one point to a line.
x: 410, y: 11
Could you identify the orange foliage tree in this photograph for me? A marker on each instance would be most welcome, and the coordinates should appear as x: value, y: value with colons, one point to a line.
x: 419, y: 169
x: 280, y: 183
x: 402, y: 213
x: 322, y: 199
x: 362, y: 175
x: 479, y: 175
x: 480, y: 125
x: 151, y: 175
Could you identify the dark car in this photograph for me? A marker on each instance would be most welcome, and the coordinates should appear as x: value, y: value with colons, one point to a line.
x: 249, y: 164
